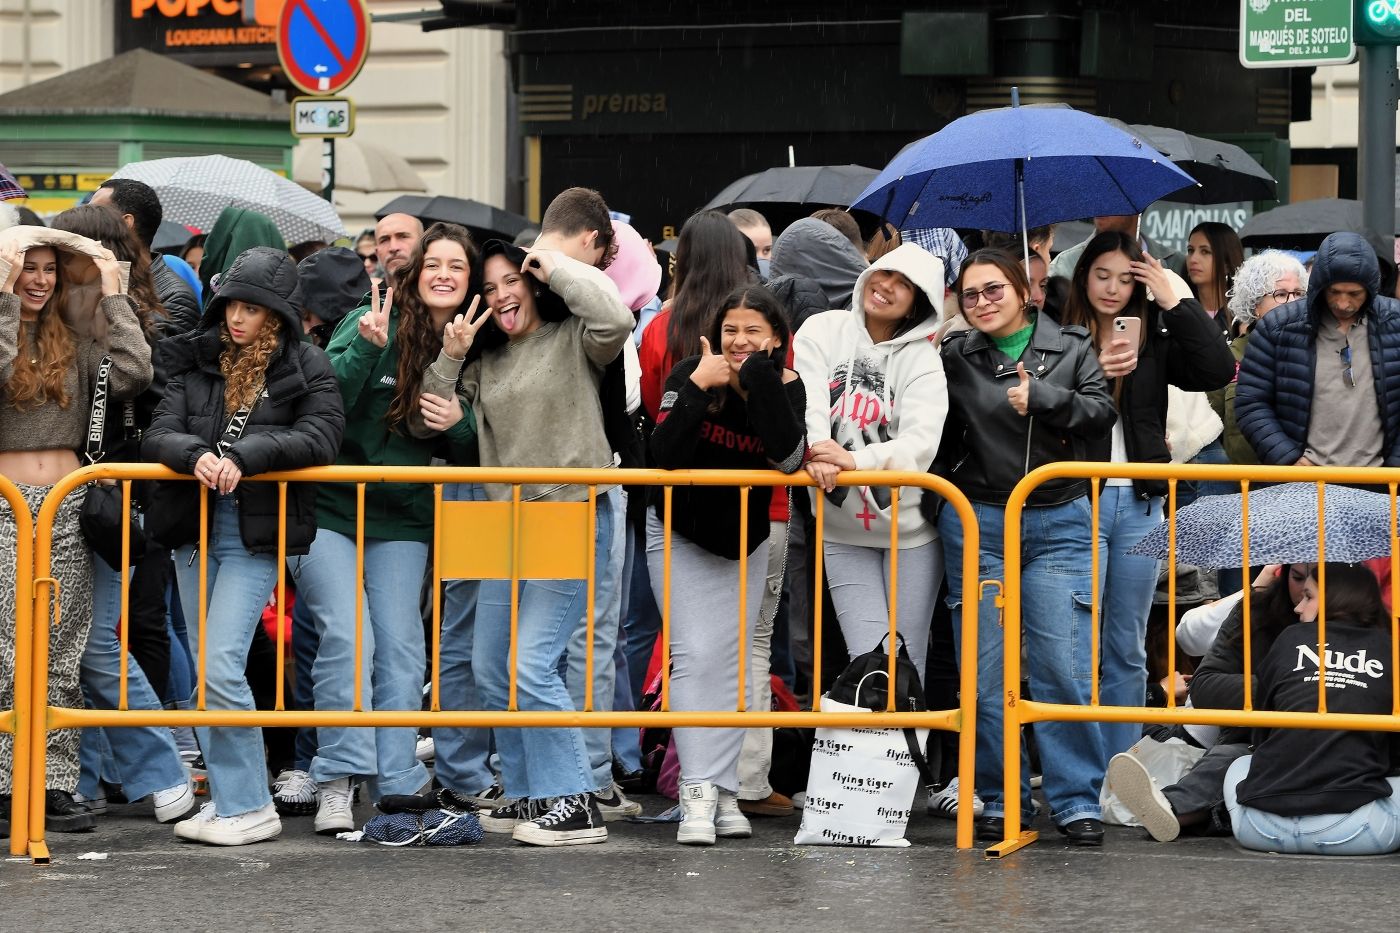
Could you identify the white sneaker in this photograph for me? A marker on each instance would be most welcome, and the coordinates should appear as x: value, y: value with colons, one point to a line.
x: 243, y: 829
x: 615, y: 806
x: 944, y: 803
x: 97, y: 806
x: 699, y: 801
x: 192, y: 829
x: 730, y: 822
x: 426, y: 749
x: 173, y: 802
x: 1129, y: 779
x: 334, y: 814
x: 295, y: 794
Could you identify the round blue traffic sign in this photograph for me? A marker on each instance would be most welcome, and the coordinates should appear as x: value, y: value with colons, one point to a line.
x: 323, y: 44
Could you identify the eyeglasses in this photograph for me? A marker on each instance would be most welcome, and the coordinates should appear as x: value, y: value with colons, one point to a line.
x: 1345, y: 353
x: 991, y: 292
x: 1284, y: 295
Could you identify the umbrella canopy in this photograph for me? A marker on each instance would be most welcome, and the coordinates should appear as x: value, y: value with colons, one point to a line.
x: 193, y: 191
x: 484, y: 221
x: 1282, y: 527
x: 359, y: 167
x: 1074, y: 165
x: 806, y: 185
x: 1223, y: 172
x: 170, y: 236
x: 1304, y: 225
x: 10, y: 189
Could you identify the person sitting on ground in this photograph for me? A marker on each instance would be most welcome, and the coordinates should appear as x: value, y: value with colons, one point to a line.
x: 1196, y: 802
x: 1324, y: 792
x: 736, y: 409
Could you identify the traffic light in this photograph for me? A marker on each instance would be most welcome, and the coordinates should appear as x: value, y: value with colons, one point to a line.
x: 1377, y: 22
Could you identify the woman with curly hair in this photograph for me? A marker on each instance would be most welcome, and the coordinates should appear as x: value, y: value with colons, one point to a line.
x: 380, y: 352
x: 47, y: 373
x: 246, y: 396
x: 145, y: 760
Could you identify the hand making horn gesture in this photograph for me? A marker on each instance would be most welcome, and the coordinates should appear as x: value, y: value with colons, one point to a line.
x: 1019, y: 395
x: 374, y: 324
x: 459, y: 333
x: 713, y: 369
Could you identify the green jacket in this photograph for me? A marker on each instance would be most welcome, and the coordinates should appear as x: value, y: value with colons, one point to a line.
x: 237, y: 229
x: 1223, y: 401
x: 368, y: 383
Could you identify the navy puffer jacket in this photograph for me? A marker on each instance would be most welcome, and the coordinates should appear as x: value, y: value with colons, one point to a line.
x: 1273, y: 400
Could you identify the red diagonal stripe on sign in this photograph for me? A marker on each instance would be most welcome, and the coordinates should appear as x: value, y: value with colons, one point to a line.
x: 321, y: 31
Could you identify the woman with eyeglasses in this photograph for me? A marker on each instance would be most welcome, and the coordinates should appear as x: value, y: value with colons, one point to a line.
x: 1144, y: 345
x: 1265, y: 281
x: 876, y: 400
x: 1024, y: 391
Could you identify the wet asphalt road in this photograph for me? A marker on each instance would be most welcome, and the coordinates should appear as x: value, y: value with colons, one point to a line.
x: 642, y: 880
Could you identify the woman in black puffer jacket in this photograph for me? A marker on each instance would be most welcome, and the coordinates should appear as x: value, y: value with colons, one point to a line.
x: 246, y: 362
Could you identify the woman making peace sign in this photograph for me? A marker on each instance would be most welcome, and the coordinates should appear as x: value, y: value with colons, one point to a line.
x: 379, y: 353
x: 532, y: 385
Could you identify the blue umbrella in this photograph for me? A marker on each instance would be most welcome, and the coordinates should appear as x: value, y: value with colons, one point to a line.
x: 1052, y: 162
x: 1282, y: 527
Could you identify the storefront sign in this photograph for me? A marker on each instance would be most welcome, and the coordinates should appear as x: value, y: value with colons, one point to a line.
x: 201, y: 31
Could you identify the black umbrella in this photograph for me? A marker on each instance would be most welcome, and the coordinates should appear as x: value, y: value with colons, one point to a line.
x: 170, y: 237
x: 484, y: 221
x: 807, y: 185
x: 1223, y: 172
x: 1303, y: 226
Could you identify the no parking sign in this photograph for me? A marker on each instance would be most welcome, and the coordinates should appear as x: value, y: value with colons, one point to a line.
x: 323, y: 44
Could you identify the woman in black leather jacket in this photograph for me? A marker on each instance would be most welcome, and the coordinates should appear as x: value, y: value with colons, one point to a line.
x: 247, y: 363
x: 1024, y: 391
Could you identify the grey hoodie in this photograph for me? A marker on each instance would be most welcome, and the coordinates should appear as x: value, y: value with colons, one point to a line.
x: 816, y: 250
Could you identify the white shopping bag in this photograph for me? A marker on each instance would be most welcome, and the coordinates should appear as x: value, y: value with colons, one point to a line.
x: 861, y: 787
x: 1165, y: 761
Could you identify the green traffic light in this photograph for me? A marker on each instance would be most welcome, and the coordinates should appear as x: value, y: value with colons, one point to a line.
x: 1378, y: 21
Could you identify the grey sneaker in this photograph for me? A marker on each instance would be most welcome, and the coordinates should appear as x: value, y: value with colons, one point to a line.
x: 1134, y: 786
x: 614, y: 805
x: 334, y: 815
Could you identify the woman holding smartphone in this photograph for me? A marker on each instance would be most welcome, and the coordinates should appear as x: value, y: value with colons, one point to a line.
x: 1144, y: 344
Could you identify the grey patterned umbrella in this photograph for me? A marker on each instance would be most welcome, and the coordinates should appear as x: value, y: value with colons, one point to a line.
x: 193, y: 191
x: 1282, y: 527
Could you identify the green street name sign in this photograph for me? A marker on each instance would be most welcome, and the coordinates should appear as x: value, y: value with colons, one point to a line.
x: 1296, y: 33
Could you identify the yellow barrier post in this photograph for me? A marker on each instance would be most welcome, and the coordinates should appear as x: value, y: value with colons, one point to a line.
x: 532, y: 522
x: 18, y: 720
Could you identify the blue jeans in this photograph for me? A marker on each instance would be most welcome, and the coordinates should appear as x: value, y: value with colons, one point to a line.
x: 393, y: 657
x: 1373, y: 829
x: 463, y: 755
x: 182, y: 666
x: 626, y: 742
x: 146, y: 757
x: 1127, y: 583
x: 239, y: 585
x: 304, y: 645
x: 1056, y: 590
x: 612, y: 548
x: 642, y: 624
x: 538, y: 762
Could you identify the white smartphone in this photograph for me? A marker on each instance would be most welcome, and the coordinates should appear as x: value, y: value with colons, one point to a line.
x: 1129, y: 327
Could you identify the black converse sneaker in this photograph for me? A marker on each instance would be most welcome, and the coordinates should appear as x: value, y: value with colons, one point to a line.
x: 504, y: 818
x: 571, y: 821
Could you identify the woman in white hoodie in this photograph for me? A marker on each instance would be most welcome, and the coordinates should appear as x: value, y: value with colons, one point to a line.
x: 876, y: 400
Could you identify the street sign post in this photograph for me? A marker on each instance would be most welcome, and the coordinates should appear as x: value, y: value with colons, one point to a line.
x: 323, y: 116
x: 323, y: 44
x: 1296, y: 33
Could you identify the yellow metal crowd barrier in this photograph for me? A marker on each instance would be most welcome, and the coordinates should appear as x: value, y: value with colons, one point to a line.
x: 16, y: 720
x: 1020, y: 711
x: 512, y: 540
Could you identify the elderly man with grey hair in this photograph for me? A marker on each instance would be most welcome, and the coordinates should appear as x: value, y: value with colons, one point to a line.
x: 1262, y: 283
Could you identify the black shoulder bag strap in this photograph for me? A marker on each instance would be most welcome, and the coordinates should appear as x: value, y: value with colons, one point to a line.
x: 97, y: 419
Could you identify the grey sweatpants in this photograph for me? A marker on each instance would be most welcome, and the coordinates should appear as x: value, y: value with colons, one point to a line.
x: 859, y: 580
x: 705, y: 654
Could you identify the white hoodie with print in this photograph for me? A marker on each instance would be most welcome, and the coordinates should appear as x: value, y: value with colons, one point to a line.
x: 885, y: 403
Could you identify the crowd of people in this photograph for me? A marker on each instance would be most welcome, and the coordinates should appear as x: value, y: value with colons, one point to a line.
x: 975, y: 355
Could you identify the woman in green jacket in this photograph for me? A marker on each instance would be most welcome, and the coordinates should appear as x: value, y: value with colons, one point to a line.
x: 380, y: 352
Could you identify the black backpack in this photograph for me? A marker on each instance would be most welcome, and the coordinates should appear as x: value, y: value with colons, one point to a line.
x: 865, y: 682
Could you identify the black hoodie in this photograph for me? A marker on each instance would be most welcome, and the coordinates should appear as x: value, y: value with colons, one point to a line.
x: 298, y: 422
